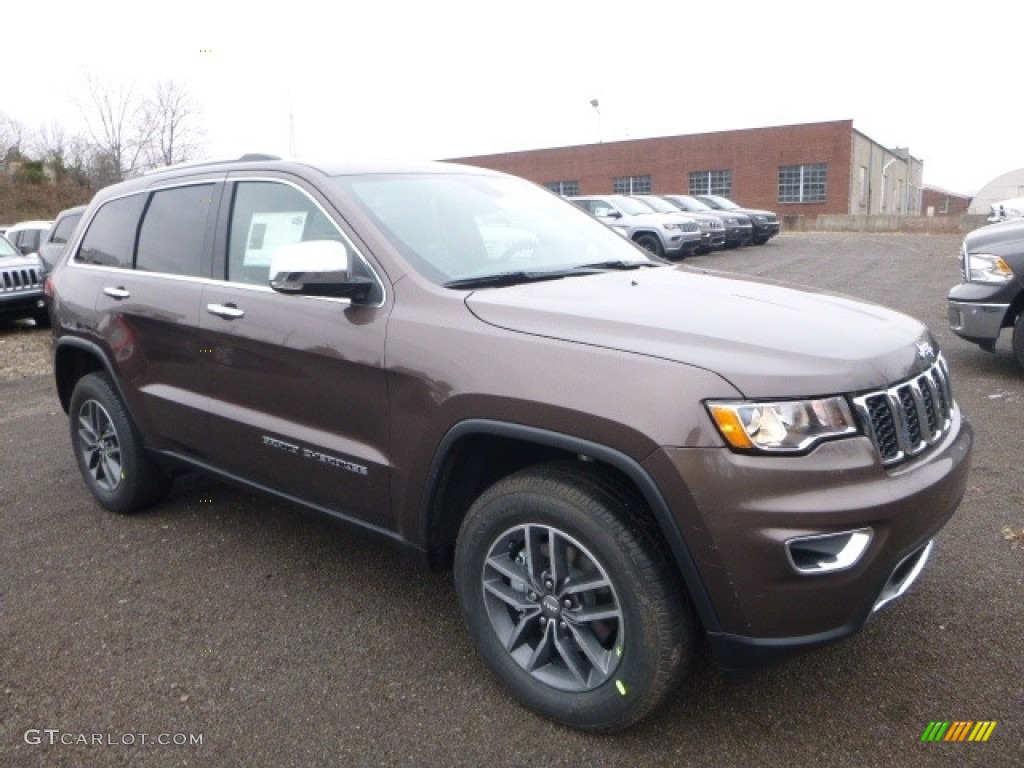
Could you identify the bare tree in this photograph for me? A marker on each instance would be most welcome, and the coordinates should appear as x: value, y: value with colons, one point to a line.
x: 11, y: 136
x: 119, y: 128
x: 173, y: 116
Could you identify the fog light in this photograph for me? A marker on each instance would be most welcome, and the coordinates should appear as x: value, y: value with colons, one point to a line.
x: 828, y: 553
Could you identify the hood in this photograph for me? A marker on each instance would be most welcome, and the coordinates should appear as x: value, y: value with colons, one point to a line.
x: 20, y: 262
x: 767, y: 339
x: 1003, y: 234
x: 756, y: 212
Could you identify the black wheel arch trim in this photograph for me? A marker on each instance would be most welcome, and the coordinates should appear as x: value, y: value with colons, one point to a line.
x: 96, y: 352
x: 626, y: 464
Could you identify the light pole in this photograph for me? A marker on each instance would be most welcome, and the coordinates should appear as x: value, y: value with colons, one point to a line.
x: 597, y: 108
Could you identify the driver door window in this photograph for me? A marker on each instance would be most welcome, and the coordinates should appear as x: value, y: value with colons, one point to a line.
x: 266, y: 215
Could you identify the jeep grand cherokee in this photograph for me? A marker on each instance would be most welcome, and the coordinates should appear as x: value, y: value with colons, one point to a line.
x: 612, y: 452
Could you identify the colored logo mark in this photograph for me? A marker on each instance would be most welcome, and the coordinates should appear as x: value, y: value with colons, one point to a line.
x: 959, y: 730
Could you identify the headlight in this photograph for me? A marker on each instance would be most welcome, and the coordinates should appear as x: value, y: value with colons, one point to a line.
x: 986, y: 268
x: 786, y: 426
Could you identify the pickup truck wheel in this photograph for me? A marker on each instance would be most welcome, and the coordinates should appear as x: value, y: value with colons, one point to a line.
x: 1018, y: 339
x: 650, y: 243
x: 109, y: 451
x: 577, y: 613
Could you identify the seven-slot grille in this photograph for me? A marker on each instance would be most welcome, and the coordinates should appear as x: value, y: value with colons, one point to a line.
x: 910, y: 416
x: 19, y: 279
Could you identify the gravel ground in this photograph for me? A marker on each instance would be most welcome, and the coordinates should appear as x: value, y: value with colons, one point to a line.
x: 24, y: 351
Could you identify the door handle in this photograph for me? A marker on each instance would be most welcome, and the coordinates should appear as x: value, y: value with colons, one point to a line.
x: 228, y: 311
x: 116, y: 293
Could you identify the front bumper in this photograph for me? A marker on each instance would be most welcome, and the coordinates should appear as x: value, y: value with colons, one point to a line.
x: 765, y: 230
x: 18, y: 305
x: 978, y: 323
x: 979, y: 311
x: 740, y: 514
x: 683, y: 243
x: 741, y: 235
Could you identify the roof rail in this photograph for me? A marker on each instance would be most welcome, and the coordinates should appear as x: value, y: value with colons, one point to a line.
x: 248, y: 157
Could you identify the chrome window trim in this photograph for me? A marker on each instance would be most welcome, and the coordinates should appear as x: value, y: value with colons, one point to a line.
x: 221, y: 177
x: 85, y: 224
x: 232, y: 179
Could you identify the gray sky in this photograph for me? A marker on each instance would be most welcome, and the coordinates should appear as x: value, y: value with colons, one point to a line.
x: 458, y: 77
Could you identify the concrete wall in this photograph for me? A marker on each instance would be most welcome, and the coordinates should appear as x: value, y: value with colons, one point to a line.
x: 882, y: 223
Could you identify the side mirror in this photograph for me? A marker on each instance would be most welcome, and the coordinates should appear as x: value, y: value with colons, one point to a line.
x: 317, y: 268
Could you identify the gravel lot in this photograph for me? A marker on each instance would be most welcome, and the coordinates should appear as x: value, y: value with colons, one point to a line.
x: 24, y: 351
x: 282, y: 640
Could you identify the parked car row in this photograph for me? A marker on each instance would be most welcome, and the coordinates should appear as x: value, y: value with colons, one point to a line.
x: 28, y: 251
x: 675, y: 226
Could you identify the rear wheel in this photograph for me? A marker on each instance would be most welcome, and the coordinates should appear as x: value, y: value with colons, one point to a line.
x: 574, y: 610
x: 109, y: 450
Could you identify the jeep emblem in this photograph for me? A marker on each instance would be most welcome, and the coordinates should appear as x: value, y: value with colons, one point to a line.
x: 925, y: 350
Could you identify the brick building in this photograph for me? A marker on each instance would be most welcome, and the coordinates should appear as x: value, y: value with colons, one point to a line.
x: 806, y: 169
x: 940, y: 202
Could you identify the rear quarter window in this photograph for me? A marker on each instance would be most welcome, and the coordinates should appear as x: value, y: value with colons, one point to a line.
x: 64, y: 228
x: 110, y: 239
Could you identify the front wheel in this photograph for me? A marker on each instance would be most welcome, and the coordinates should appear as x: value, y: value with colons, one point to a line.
x: 650, y: 243
x: 109, y: 450
x: 1018, y: 339
x: 576, y: 612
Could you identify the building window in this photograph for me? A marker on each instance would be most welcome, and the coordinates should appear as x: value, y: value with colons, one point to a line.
x: 802, y: 183
x: 566, y: 188
x: 631, y: 185
x: 711, y: 183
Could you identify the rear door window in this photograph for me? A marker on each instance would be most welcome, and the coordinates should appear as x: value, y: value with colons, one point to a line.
x: 173, y: 232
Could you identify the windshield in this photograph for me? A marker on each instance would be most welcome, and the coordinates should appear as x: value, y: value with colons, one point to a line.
x: 722, y: 202
x: 458, y: 227
x: 6, y: 249
x: 659, y: 205
x: 633, y: 207
x: 688, y: 203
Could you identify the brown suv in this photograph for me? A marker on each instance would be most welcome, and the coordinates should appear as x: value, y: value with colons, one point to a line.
x: 614, y: 453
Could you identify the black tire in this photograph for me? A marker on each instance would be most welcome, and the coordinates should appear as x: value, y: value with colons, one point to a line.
x: 1018, y: 339
x: 650, y: 243
x: 109, y: 450
x: 596, y: 639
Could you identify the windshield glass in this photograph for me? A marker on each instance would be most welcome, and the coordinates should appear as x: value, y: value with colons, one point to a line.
x: 453, y: 227
x: 690, y: 203
x: 661, y: 206
x: 6, y: 249
x: 722, y: 202
x: 633, y: 207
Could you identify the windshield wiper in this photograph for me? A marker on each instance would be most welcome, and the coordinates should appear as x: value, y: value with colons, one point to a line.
x: 521, y: 276
x: 505, y: 278
x: 617, y: 264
